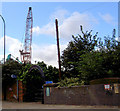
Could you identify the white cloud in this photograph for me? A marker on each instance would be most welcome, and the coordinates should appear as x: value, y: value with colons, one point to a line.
x: 68, y: 26
x: 12, y: 46
x: 117, y: 39
x: 36, y: 30
x: 47, y: 30
x: 47, y: 53
x: 71, y: 25
x: 107, y: 18
x: 59, y: 14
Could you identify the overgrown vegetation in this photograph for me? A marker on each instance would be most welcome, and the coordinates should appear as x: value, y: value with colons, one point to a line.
x: 9, y: 68
x: 22, y: 72
x: 68, y: 82
x: 87, y: 57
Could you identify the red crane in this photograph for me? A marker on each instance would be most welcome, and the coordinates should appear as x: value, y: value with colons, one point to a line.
x: 26, y: 53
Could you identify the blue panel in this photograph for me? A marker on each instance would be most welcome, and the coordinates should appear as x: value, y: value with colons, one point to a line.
x: 48, y: 82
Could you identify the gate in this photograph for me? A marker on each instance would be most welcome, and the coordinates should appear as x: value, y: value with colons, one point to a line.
x: 34, y: 87
x: 34, y: 94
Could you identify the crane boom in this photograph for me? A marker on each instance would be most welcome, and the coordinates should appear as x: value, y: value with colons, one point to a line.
x: 26, y: 53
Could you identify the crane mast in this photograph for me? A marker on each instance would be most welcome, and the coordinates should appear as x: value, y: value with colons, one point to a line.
x: 26, y: 53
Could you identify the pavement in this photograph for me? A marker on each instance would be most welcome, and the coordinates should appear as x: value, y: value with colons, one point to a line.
x: 30, y: 106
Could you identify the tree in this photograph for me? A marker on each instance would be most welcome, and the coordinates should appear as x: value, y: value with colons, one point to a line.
x: 51, y: 73
x: 24, y: 73
x: 88, y: 57
x: 81, y: 44
x: 101, y: 63
x: 9, y: 68
x: 91, y: 66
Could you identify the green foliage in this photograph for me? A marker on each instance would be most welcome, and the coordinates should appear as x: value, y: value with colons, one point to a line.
x: 80, y: 45
x: 87, y: 57
x: 68, y: 82
x: 24, y: 73
x: 101, y: 63
x: 51, y: 73
x: 9, y: 68
x: 91, y: 67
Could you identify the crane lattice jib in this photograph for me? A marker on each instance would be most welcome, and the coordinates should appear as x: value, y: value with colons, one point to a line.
x: 27, y: 52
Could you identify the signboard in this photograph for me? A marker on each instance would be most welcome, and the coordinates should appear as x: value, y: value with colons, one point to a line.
x: 13, y: 76
x: 116, y: 88
x: 107, y: 86
x: 47, y: 91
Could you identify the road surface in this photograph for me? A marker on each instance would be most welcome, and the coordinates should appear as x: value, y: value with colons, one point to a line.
x: 33, y: 106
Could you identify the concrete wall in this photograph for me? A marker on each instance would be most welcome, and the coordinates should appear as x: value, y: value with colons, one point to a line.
x: 84, y: 95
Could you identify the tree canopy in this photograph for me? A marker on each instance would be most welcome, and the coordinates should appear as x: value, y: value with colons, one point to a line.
x: 23, y: 74
x: 9, y: 68
x: 89, y: 57
x: 80, y: 44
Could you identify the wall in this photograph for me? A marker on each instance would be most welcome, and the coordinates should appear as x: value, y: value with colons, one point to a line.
x: 20, y: 85
x: 84, y: 95
x: 11, y: 92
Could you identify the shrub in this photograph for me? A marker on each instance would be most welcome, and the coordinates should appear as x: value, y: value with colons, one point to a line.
x: 68, y: 82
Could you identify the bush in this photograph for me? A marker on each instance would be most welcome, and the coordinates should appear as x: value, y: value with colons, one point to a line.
x: 68, y: 82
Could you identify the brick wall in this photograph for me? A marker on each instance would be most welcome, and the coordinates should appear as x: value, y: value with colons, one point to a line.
x: 20, y: 91
x: 11, y: 92
x: 84, y: 95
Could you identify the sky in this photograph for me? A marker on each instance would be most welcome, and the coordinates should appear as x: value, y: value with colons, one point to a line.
x: 101, y: 17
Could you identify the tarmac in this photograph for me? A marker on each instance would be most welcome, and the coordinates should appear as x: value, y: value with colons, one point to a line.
x: 37, y: 105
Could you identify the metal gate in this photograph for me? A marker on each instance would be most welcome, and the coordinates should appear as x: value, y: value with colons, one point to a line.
x: 33, y: 92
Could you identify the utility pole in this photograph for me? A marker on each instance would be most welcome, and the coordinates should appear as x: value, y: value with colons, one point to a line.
x: 57, y: 34
x: 119, y: 23
x: 4, y: 36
